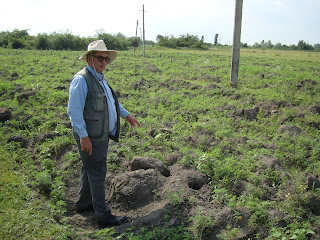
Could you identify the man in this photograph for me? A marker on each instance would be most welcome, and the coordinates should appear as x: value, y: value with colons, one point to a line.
x: 95, y: 114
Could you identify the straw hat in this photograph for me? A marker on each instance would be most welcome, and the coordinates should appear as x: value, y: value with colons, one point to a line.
x: 99, y: 46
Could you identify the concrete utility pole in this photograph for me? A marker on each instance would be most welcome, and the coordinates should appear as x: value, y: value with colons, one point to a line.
x: 143, y: 31
x: 236, y: 43
x: 135, y: 40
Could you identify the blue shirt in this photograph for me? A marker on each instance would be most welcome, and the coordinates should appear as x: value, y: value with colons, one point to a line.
x: 77, y: 98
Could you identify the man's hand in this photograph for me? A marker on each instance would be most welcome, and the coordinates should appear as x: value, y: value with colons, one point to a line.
x: 86, y: 145
x: 132, y: 120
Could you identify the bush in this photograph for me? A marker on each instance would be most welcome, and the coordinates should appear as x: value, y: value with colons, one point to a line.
x: 302, y: 45
x: 43, y: 181
x: 42, y: 42
x: 118, y: 42
x: 187, y: 41
x: 16, y: 43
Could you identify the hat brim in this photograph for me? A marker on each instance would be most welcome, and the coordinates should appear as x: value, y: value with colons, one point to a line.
x: 112, y: 54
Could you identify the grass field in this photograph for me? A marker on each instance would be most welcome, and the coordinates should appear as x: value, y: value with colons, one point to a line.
x: 257, y: 143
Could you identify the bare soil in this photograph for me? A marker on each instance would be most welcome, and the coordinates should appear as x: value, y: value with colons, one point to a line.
x: 156, y: 194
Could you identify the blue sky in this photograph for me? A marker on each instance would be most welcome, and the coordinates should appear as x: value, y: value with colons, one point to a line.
x: 284, y: 21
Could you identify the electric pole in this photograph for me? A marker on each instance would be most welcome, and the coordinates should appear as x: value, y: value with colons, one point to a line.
x: 135, y: 40
x: 143, y: 30
x: 236, y: 43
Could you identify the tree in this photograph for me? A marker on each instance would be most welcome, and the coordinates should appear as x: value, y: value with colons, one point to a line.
x: 18, y: 39
x: 114, y: 42
x: 42, y: 42
x: 302, y: 45
x: 4, y: 39
x: 16, y: 43
x: 269, y: 44
x: 244, y: 45
x: 134, y: 41
x: 19, y: 33
x: 216, y: 39
x: 159, y: 37
x: 278, y: 46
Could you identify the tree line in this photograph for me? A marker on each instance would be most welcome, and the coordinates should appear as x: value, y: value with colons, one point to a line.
x: 302, y: 45
x: 20, y: 39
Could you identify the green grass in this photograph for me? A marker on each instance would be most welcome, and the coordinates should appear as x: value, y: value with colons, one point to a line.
x: 191, y: 97
x: 24, y: 213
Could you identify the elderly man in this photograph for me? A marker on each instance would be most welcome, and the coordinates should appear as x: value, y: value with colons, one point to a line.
x: 95, y: 114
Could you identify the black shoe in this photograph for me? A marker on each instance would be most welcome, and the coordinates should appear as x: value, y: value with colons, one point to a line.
x: 112, y: 221
x: 81, y: 210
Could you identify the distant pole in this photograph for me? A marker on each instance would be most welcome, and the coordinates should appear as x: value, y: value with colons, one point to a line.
x: 236, y: 43
x: 143, y: 31
x: 135, y: 40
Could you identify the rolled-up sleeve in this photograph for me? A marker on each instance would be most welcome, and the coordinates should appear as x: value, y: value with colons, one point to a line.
x: 123, y: 112
x: 77, y: 97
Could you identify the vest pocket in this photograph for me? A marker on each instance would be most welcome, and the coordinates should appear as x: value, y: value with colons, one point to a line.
x: 94, y: 127
x: 98, y: 102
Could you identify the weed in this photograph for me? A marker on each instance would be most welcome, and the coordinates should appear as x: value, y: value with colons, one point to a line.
x: 161, y: 233
x: 201, y: 224
x: 293, y: 231
x: 229, y: 234
x: 43, y: 181
x: 176, y: 198
x: 106, y: 233
x: 156, y: 194
x: 221, y: 197
x: 60, y: 207
x: 48, y: 164
x: 58, y: 192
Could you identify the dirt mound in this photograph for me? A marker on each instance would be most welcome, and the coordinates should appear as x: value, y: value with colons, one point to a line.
x: 152, y: 195
x: 147, y: 192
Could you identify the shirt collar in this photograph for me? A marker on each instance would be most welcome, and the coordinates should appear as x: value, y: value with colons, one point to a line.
x: 94, y: 73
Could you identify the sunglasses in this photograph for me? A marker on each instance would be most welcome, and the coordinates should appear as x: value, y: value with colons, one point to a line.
x: 100, y: 58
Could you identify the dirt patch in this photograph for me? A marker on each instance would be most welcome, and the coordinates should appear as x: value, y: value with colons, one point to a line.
x: 290, y: 129
x: 249, y: 114
x: 147, y: 192
x: 153, y: 194
x: 5, y: 114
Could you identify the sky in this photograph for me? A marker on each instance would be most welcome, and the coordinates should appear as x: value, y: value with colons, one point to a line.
x: 280, y: 21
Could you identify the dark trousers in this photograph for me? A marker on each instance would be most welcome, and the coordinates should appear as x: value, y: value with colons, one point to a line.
x: 92, y: 181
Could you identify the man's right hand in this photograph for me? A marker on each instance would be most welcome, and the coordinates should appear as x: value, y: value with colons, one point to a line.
x: 86, y: 145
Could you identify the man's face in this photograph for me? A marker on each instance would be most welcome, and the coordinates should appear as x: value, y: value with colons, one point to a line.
x: 98, y: 61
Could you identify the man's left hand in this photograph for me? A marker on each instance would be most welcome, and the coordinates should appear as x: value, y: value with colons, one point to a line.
x: 133, y: 121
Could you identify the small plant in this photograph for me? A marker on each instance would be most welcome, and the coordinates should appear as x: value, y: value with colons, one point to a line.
x: 106, y: 233
x: 176, y: 198
x: 192, y: 200
x: 258, y: 211
x: 161, y: 233
x: 293, y: 231
x: 59, y: 188
x: 229, y: 234
x: 60, y: 207
x: 221, y: 197
x: 47, y: 164
x: 156, y: 194
x: 44, y: 181
x: 202, y: 224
